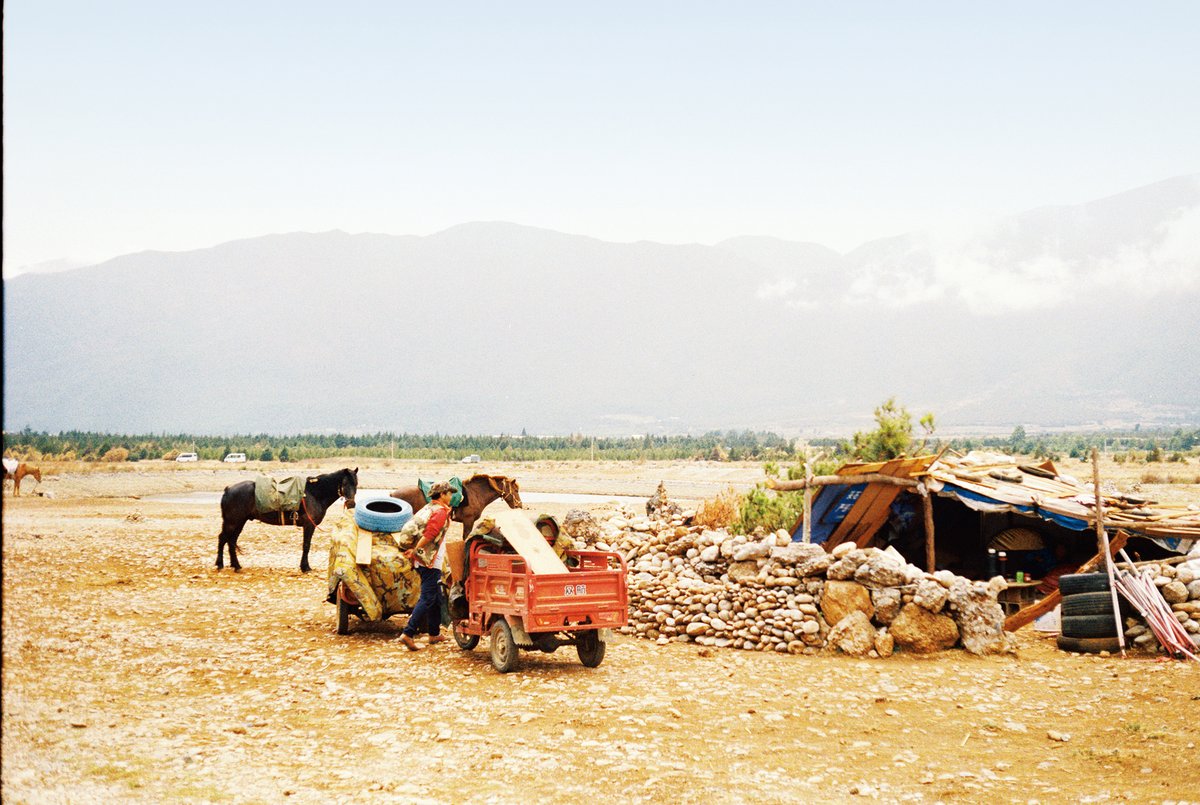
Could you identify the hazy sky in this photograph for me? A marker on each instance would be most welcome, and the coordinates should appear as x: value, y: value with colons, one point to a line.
x: 150, y: 125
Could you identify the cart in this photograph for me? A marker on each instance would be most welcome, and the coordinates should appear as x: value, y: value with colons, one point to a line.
x: 525, y: 598
x: 373, y: 590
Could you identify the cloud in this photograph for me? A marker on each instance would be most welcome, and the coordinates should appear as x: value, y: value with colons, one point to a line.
x: 779, y: 289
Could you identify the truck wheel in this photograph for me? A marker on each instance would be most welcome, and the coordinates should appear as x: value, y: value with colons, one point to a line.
x: 465, y: 641
x: 343, y: 614
x: 590, y: 648
x: 505, y: 653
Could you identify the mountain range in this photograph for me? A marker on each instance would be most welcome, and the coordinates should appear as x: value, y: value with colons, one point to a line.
x: 1060, y: 316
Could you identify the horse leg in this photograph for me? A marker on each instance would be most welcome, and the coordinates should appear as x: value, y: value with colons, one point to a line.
x: 308, y: 533
x: 230, y: 531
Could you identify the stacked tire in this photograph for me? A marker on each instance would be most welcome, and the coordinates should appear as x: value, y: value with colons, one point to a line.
x: 1087, y: 623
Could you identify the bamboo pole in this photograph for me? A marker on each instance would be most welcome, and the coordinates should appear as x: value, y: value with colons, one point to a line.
x: 807, y: 502
x: 1102, y: 542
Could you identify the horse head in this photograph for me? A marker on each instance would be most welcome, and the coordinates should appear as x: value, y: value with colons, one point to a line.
x: 348, y: 486
x: 508, y: 489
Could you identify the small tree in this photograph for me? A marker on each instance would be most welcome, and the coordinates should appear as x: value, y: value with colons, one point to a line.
x: 893, y: 436
x: 267, y: 455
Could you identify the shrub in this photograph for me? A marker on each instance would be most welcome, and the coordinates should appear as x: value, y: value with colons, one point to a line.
x: 761, y: 507
x: 116, y: 454
x: 1155, y: 478
x: 267, y: 455
x: 719, y: 512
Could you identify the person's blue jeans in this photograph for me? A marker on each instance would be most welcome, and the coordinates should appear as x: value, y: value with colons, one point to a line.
x: 427, y: 614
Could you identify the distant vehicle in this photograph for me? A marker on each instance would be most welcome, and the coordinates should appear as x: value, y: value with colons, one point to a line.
x: 235, y: 458
x: 187, y: 457
x: 471, y: 459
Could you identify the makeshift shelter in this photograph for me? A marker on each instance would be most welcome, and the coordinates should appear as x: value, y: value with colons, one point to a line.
x: 946, y: 511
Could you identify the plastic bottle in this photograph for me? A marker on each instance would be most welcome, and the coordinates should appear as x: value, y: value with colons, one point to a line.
x: 1004, y: 564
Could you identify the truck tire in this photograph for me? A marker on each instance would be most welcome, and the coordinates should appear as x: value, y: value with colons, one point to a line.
x: 1073, y: 583
x: 590, y: 648
x: 1093, y: 604
x: 1089, y: 626
x: 382, y: 515
x: 1088, y: 645
x: 503, y: 648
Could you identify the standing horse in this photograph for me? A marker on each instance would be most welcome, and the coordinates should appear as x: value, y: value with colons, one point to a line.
x: 320, y: 492
x: 478, y: 492
x: 18, y: 472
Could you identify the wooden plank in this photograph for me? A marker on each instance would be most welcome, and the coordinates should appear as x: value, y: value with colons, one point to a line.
x: 1027, y: 615
x: 870, y: 513
x: 526, y: 540
x: 362, y: 549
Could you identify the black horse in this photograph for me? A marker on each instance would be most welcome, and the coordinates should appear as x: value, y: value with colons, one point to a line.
x: 320, y: 492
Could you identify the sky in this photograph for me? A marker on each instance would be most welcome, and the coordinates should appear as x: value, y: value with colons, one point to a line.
x: 145, y: 125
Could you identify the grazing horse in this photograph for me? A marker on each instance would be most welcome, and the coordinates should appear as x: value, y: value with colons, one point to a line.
x: 19, y: 471
x: 478, y: 492
x: 320, y: 492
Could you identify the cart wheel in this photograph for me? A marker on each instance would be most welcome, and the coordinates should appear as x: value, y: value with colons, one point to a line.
x: 590, y: 648
x: 503, y: 648
x: 465, y: 641
x: 343, y: 613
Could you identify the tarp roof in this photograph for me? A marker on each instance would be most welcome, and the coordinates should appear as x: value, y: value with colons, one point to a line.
x: 993, y: 482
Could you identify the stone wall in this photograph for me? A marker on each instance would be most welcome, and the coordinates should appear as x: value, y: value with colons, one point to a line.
x: 767, y: 593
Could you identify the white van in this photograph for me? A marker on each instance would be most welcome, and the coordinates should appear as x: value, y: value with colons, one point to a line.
x: 235, y: 458
x: 187, y: 457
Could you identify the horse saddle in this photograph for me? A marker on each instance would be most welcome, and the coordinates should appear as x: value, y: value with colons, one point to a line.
x: 277, y: 495
x: 456, y: 498
x: 11, y: 464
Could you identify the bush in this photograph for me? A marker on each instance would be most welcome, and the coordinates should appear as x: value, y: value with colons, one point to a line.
x: 267, y: 455
x: 116, y: 454
x: 719, y: 512
x: 761, y: 507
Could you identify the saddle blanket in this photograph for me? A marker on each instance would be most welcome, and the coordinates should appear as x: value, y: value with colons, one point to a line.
x: 456, y: 497
x: 282, y: 495
x: 10, y: 466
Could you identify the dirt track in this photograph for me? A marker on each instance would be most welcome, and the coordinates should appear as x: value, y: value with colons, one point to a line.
x: 133, y: 670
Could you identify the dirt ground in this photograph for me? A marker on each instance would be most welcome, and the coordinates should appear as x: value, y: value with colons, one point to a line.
x: 135, y: 671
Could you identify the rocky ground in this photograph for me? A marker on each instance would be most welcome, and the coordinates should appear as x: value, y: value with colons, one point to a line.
x: 134, y: 671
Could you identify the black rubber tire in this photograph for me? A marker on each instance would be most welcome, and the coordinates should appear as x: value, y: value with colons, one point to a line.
x: 590, y: 648
x: 1088, y: 645
x: 503, y: 648
x: 466, y: 642
x: 1089, y: 626
x: 383, y: 515
x: 1093, y: 604
x: 1073, y: 583
x: 343, y: 613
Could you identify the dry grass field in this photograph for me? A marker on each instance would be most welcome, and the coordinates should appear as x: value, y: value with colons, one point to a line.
x: 134, y: 671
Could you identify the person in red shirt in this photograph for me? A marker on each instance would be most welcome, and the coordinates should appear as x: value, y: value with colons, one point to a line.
x: 431, y: 523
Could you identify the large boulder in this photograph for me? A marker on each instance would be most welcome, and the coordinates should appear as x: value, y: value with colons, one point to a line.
x: 797, y: 552
x: 881, y: 570
x: 979, y: 617
x: 931, y: 595
x: 742, y: 572
x: 887, y: 604
x: 1175, y: 592
x: 843, y: 597
x: 751, y: 550
x: 581, y: 525
x: 853, y: 635
x: 917, y: 629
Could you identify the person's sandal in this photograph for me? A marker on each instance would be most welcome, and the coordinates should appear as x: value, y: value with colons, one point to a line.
x: 409, y: 643
x: 436, y: 638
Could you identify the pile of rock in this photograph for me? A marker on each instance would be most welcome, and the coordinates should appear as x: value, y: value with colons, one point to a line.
x: 767, y: 593
x: 1180, y: 588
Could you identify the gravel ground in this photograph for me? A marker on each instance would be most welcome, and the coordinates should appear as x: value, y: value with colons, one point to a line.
x: 134, y: 671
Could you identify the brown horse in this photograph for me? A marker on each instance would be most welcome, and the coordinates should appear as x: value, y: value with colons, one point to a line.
x: 20, y: 472
x: 478, y: 492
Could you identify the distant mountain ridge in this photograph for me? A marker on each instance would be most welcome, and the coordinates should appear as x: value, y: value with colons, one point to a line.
x: 1063, y: 315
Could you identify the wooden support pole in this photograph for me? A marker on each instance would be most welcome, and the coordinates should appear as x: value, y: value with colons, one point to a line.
x: 839, y: 480
x: 807, y: 502
x: 1035, y: 610
x: 1102, y: 539
x: 930, y: 553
